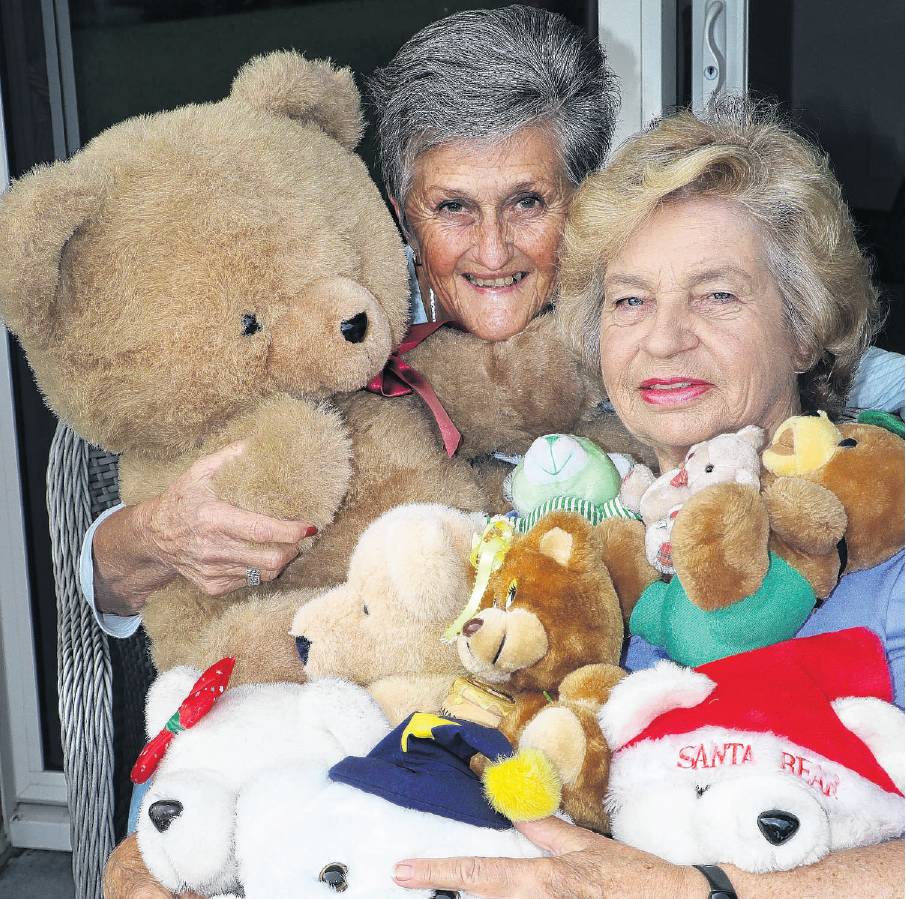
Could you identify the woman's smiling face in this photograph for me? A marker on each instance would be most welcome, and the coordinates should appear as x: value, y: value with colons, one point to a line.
x: 693, y: 337
x: 486, y: 221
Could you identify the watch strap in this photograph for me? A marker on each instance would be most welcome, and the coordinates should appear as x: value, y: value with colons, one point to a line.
x: 721, y: 888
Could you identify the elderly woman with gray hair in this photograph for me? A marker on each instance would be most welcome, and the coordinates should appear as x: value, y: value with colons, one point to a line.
x: 487, y: 122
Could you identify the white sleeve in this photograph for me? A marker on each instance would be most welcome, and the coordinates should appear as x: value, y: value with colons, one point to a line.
x: 114, y: 625
x: 878, y: 383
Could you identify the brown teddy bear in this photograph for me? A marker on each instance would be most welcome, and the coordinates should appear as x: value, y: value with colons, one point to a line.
x: 382, y: 627
x: 229, y: 271
x: 548, y: 632
x: 819, y: 513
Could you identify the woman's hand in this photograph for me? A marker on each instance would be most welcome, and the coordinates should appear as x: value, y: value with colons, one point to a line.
x: 582, y: 865
x: 126, y: 877
x: 187, y: 531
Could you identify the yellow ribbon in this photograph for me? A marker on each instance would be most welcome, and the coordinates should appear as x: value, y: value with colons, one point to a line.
x: 488, y: 552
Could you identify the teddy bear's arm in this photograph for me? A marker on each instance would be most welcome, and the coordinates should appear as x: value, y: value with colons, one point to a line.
x: 720, y: 545
x: 503, y: 395
x: 806, y: 516
x: 255, y: 632
x: 624, y: 556
x: 297, y: 462
x: 400, y: 695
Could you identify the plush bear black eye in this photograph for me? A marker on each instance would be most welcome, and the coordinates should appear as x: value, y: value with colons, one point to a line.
x: 700, y: 791
x: 709, y: 468
x: 848, y: 442
x: 250, y: 324
x: 446, y: 894
x: 365, y: 610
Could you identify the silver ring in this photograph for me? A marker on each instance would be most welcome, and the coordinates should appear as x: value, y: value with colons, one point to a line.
x: 252, y: 577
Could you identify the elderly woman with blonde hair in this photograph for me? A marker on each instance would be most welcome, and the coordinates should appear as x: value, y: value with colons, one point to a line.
x: 711, y: 270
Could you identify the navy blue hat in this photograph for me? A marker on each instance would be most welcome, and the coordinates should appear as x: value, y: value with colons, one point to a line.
x: 424, y: 764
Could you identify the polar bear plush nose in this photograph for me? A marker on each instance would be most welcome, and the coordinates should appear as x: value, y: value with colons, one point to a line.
x: 163, y: 812
x: 777, y: 827
x: 334, y: 875
x: 353, y: 329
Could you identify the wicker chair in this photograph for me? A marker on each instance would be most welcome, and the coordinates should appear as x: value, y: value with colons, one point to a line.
x: 101, y: 683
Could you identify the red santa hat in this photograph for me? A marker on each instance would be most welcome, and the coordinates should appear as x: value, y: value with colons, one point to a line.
x: 821, y: 694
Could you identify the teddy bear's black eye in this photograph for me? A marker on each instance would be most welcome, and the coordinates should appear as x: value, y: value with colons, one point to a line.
x: 250, y: 324
x: 709, y: 468
x: 700, y: 791
x: 365, y: 610
x: 848, y: 442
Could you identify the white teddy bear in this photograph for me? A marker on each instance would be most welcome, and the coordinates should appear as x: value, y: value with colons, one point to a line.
x: 765, y: 760
x: 186, y: 827
x: 413, y: 796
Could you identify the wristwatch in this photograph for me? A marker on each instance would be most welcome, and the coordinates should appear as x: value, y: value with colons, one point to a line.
x: 721, y: 888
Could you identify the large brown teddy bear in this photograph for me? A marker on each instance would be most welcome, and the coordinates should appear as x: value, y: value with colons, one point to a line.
x: 219, y: 272
x: 548, y: 633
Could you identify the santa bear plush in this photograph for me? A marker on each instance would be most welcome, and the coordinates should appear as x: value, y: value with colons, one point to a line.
x: 766, y: 760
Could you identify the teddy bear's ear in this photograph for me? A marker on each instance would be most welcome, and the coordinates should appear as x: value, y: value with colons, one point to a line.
x: 752, y: 435
x: 641, y: 697
x: 879, y: 725
x: 285, y: 83
x: 165, y: 696
x: 39, y: 215
x: 557, y: 544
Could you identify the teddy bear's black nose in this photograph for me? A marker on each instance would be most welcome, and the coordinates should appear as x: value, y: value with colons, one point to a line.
x: 472, y: 626
x: 334, y: 875
x: 163, y: 812
x: 776, y: 826
x: 303, y: 644
x: 353, y: 329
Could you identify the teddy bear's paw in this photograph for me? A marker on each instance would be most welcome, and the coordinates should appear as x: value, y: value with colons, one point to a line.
x: 523, y: 787
x: 297, y: 461
x: 719, y: 545
x: 806, y: 516
x: 591, y: 685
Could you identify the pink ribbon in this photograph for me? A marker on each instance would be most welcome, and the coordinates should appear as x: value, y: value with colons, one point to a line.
x: 399, y: 378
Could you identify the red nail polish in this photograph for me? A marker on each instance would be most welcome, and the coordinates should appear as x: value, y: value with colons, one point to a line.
x: 311, y: 530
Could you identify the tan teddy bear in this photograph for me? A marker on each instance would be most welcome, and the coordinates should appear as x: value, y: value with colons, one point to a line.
x: 229, y: 271
x: 408, y: 577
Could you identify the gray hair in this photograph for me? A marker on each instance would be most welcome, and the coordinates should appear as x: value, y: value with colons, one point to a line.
x: 483, y: 75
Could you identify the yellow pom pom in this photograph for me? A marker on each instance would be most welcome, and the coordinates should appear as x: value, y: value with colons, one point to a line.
x: 523, y: 787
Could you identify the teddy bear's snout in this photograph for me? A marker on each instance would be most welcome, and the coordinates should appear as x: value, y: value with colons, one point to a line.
x: 353, y: 329
x: 303, y: 645
x: 163, y: 812
x: 777, y: 827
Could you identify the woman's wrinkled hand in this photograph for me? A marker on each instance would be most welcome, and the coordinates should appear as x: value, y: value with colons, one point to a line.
x: 188, y: 531
x: 126, y: 876
x: 582, y: 865
x: 212, y: 543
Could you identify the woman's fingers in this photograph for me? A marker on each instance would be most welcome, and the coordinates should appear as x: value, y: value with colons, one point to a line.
x: 556, y: 835
x: 493, y: 878
x: 212, y: 543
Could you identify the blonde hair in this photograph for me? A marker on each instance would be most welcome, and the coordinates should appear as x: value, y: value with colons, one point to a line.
x: 741, y: 151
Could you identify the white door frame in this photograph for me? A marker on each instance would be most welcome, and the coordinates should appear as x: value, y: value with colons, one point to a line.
x: 35, y: 814
x: 639, y: 38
